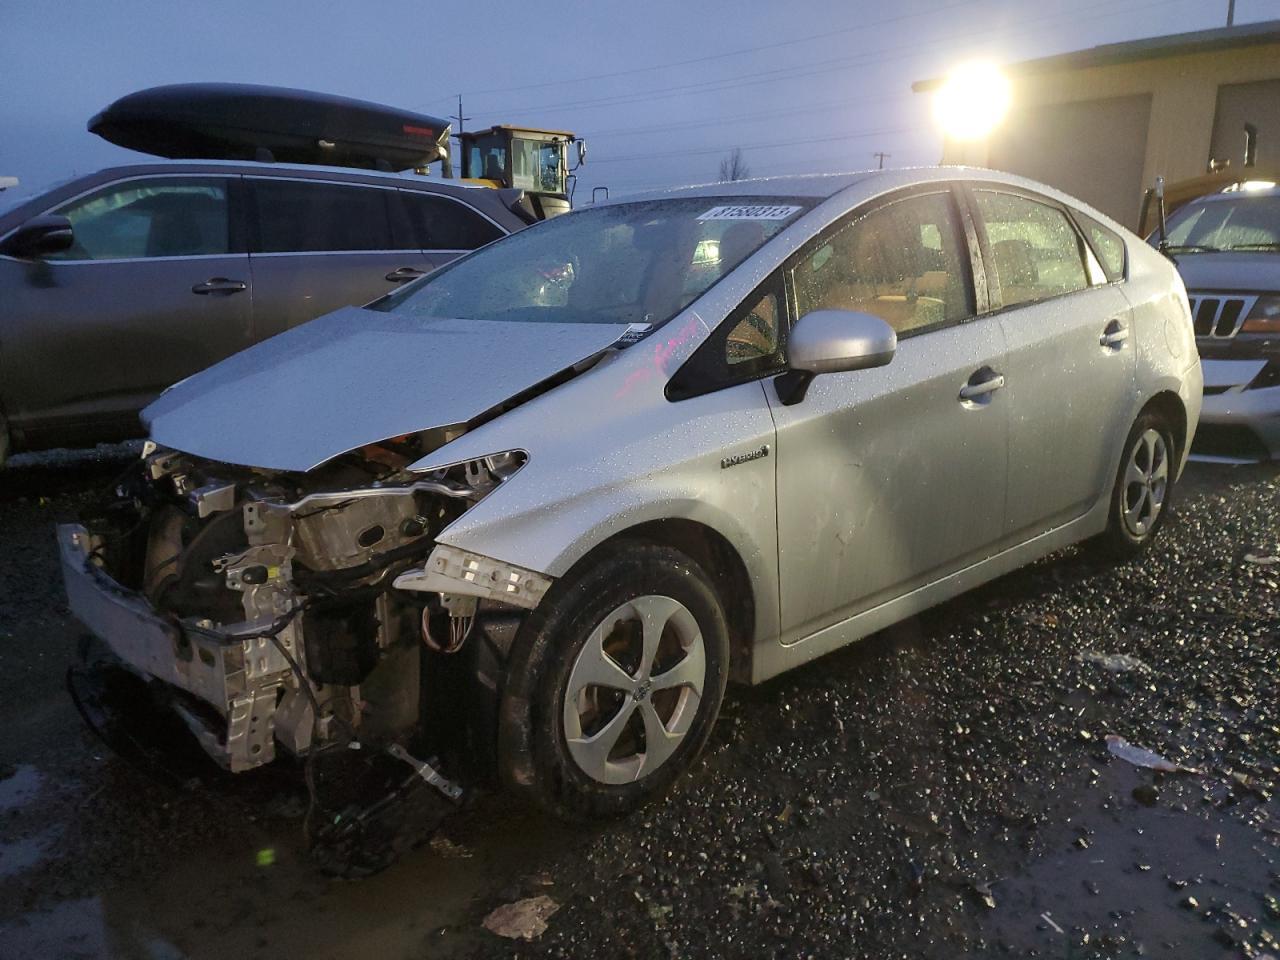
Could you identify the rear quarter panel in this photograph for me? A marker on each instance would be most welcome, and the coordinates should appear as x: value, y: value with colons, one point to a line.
x: 1167, y: 359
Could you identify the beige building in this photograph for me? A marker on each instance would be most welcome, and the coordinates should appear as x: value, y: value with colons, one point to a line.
x: 1102, y: 123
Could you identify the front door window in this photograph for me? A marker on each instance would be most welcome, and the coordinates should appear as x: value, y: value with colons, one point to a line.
x: 149, y: 218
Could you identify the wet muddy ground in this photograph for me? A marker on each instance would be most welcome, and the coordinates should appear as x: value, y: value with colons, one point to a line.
x: 944, y: 789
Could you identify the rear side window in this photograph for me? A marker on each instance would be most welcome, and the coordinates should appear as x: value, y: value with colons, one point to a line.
x: 1035, y: 249
x: 441, y: 224
x: 296, y: 216
x: 1107, y: 246
x: 903, y: 262
x: 140, y: 219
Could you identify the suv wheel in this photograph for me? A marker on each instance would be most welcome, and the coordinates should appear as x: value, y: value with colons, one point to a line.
x: 615, y: 688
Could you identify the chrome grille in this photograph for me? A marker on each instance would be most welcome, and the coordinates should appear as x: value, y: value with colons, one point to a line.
x: 1219, y: 316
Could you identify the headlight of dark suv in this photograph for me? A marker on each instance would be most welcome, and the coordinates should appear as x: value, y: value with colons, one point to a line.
x: 1264, y: 317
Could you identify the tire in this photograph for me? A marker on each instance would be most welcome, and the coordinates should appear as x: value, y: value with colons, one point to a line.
x: 556, y: 724
x: 1143, y: 490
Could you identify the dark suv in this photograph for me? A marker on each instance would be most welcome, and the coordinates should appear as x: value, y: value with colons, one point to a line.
x: 175, y: 265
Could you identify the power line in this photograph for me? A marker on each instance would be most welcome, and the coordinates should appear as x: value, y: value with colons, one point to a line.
x: 860, y: 28
x: 1019, y: 25
x: 758, y: 115
x: 822, y: 66
x: 768, y: 145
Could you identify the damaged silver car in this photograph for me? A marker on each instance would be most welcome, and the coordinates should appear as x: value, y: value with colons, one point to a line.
x: 573, y: 483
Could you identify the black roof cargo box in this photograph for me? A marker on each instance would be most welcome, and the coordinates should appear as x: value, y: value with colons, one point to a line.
x: 237, y: 121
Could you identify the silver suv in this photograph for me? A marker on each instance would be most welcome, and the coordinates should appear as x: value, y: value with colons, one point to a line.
x: 117, y: 284
x: 579, y: 479
x: 1227, y: 247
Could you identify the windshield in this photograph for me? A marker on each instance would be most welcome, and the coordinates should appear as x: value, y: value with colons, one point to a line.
x: 1240, y: 223
x: 622, y: 263
x: 535, y: 165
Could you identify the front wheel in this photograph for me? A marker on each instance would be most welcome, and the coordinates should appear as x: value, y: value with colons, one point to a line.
x: 1143, y: 488
x: 615, y: 687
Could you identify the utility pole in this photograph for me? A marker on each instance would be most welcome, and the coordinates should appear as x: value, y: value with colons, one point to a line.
x: 881, y: 156
x: 1231, y: 12
x: 462, y: 121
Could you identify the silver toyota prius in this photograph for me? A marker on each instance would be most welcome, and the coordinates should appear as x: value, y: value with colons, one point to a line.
x: 539, y: 506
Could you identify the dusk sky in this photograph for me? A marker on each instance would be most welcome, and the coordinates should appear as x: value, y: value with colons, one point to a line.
x: 661, y: 89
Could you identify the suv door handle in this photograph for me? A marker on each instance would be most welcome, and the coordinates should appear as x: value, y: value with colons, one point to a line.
x: 219, y: 285
x: 403, y: 274
x: 1114, y: 334
x: 983, y: 383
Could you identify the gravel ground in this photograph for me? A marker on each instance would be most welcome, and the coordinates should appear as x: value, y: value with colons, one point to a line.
x: 943, y: 789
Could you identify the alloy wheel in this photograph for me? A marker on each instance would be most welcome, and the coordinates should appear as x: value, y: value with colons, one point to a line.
x: 1146, y: 481
x: 634, y: 689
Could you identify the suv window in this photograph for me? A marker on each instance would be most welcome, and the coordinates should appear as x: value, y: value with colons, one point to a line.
x: 1107, y: 246
x: 149, y: 218
x: 904, y: 262
x: 442, y: 224
x: 298, y: 216
x: 1034, y: 248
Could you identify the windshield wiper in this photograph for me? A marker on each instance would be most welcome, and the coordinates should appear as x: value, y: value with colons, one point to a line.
x: 1261, y: 245
x: 1191, y: 248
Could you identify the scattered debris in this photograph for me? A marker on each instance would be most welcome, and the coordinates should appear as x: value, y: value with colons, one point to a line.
x: 1049, y: 920
x: 522, y: 920
x: 1139, y: 757
x: 1114, y: 662
x: 442, y: 846
x: 983, y: 892
x: 1146, y: 794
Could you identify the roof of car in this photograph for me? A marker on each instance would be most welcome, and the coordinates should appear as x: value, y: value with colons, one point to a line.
x: 254, y: 166
x: 1241, y: 194
x: 818, y: 185
x: 493, y: 203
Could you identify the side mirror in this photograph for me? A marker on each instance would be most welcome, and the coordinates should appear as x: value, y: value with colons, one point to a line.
x: 582, y: 151
x: 39, y: 237
x: 833, y: 341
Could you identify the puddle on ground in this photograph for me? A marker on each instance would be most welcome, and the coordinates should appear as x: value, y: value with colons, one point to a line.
x: 20, y: 855
x: 80, y: 929
x: 264, y: 895
x: 20, y: 788
x: 1164, y: 880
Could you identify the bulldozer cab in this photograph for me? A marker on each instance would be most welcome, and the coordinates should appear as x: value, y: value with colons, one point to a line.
x: 523, y: 158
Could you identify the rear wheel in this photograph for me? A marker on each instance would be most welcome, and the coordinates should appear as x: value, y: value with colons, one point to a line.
x: 1143, y: 488
x: 615, y: 688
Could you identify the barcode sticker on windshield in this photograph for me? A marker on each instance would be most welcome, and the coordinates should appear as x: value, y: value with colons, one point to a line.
x: 742, y: 211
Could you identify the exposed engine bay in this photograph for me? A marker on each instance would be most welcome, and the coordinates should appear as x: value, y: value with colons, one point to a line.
x: 287, y: 611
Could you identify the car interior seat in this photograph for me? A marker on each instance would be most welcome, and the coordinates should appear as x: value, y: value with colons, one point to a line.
x: 1016, y: 267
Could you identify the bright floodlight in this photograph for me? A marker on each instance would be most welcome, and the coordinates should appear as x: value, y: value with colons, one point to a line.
x: 972, y: 101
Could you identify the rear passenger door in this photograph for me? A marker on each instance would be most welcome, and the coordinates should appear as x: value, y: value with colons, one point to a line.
x: 319, y: 245
x: 446, y: 228
x: 1070, y: 357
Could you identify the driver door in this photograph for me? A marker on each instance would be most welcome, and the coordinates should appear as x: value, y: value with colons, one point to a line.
x: 891, y: 478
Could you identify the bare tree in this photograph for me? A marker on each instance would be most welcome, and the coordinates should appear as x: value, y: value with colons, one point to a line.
x: 733, y: 167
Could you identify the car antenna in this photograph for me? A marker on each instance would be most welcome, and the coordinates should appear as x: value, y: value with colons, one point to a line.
x: 1163, y: 246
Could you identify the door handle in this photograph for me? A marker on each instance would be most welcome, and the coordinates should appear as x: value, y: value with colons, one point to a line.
x: 403, y: 274
x: 219, y: 285
x: 976, y: 389
x: 1114, y: 334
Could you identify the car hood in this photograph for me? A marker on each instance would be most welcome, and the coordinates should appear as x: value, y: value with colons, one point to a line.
x: 359, y: 376
x: 1252, y: 272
